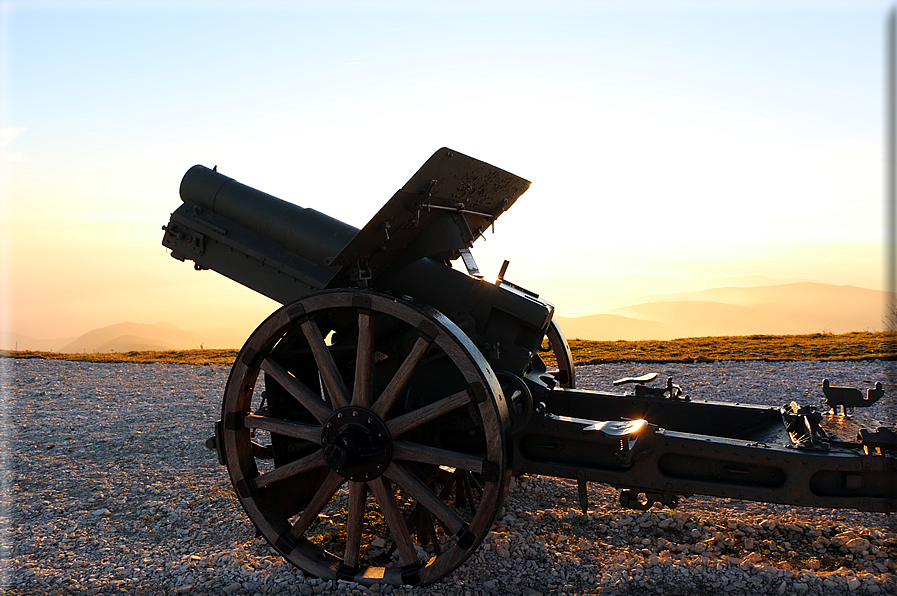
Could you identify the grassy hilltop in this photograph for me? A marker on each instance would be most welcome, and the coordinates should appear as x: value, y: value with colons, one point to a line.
x: 860, y: 345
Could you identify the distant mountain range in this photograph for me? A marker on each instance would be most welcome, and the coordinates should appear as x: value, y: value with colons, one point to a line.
x: 126, y: 337
x: 781, y: 309
x: 786, y: 309
x: 577, y: 296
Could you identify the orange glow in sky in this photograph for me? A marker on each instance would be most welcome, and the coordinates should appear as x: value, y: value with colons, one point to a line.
x: 701, y: 141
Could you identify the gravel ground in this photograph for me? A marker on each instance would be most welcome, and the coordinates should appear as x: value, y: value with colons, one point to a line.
x: 107, y: 489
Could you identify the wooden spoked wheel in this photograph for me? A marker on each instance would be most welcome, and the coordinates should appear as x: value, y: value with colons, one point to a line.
x: 378, y: 451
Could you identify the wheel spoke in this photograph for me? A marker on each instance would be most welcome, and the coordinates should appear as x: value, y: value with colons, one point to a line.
x: 305, y: 464
x: 417, y: 489
x: 431, y: 528
x: 404, y: 423
x: 446, y: 489
x: 325, y: 492
x: 400, y: 380
x: 284, y: 427
x: 364, y: 363
x: 333, y: 382
x: 466, y: 478
x: 408, y: 451
x: 387, y: 501
x: 309, y: 399
x: 471, y: 480
x: 357, y: 494
x: 420, y: 522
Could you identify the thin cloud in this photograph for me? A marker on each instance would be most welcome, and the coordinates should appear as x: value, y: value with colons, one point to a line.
x: 7, y: 136
x: 10, y: 134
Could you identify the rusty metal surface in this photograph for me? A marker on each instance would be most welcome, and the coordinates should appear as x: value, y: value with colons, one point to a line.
x: 448, y: 203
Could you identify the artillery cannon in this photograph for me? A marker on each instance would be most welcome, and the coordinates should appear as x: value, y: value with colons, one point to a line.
x: 371, y: 425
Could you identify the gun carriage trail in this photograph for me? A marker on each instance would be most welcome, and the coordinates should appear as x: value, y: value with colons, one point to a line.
x: 111, y: 490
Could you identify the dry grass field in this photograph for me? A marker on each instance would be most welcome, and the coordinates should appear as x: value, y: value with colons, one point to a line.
x: 860, y: 345
x: 194, y: 357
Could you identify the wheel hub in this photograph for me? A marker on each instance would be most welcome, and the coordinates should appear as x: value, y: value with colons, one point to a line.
x: 356, y: 444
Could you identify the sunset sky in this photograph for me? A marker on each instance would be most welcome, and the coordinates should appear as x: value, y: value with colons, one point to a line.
x: 699, y: 140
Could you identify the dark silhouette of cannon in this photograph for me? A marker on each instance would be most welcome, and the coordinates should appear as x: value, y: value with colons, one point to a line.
x: 371, y: 425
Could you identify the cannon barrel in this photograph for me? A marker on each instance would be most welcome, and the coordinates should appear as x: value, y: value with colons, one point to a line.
x: 269, y: 245
x: 303, y: 231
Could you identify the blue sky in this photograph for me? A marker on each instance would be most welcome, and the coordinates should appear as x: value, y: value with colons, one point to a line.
x: 699, y: 139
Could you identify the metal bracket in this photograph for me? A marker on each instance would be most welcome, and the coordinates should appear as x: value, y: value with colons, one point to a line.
x: 195, y: 241
x: 466, y: 538
x: 470, y: 263
x: 671, y: 391
x: 802, y: 425
x: 878, y: 441
x: 285, y: 543
x: 346, y: 573
x: 464, y: 228
x: 410, y: 575
x: 214, y: 442
x: 361, y: 273
x: 198, y: 246
x: 675, y: 391
x: 491, y: 471
x: 841, y: 398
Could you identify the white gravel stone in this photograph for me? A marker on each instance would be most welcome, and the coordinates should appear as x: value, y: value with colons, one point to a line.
x: 108, y: 488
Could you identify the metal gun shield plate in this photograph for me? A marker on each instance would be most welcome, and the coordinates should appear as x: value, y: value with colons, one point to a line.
x: 444, y: 207
x: 390, y: 436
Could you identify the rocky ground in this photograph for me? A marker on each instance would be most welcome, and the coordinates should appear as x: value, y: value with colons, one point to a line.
x: 107, y: 489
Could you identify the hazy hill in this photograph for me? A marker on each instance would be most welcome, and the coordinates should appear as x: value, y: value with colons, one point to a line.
x: 125, y: 337
x: 786, y: 309
x: 824, y: 297
x: 582, y: 295
x: 612, y: 327
x: 18, y: 341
